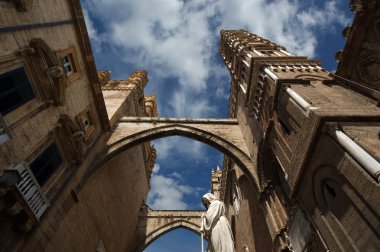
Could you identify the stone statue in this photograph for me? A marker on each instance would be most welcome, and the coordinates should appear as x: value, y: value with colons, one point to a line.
x: 215, y: 225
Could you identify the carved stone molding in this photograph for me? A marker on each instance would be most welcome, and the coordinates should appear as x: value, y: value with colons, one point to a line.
x: 369, y: 69
x: 272, y: 204
x: 47, y: 64
x: 23, y: 5
x: 71, y: 139
x: 55, y: 71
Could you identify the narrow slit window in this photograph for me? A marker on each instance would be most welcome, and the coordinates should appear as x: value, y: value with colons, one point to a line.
x: 284, y: 127
x: 86, y: 122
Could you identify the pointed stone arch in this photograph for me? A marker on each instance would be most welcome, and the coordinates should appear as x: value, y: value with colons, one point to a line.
x: 154, y: 224
x: 222, y: 134
x: 157, y: 233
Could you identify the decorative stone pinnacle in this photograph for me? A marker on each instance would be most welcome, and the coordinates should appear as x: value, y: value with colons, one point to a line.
x: 139, y: 77
x: 104, y: 77
x: 151, y: 105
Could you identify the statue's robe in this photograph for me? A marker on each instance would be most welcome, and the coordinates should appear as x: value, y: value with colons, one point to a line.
x: 218, y: 229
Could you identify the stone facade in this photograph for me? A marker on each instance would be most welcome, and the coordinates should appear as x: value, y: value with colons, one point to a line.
x: 314, y: 140
x: 58, y: 113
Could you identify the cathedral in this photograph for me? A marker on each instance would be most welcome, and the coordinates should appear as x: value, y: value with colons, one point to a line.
x: 301, y: 145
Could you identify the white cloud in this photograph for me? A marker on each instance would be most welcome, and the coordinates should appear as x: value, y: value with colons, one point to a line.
x: 283, y: 21
x: 176, y: 175
x: 92, y: 33
x: 96, y: 39
x: 168, y: 192
x: 190, y: 104
x: 165, y: 194
x: 172, y: 38
x: 176, y: 38
x: 323, y: 17
x: 156, y: 168
x: 179, y: 146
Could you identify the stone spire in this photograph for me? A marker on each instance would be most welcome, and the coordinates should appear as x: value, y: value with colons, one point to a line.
x: 215, y: 181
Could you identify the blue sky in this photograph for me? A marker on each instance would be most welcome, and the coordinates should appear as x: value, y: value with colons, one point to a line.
x: 177, y: 41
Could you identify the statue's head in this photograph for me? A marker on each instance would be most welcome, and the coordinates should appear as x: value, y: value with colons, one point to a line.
x: 207, y: 199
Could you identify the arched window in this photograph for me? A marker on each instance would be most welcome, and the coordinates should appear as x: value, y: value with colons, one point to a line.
x: 236, y: 196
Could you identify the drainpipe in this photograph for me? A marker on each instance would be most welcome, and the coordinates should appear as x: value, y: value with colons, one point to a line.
x: 271, y: 74
x: 371, y: 165
x: 297, y: 98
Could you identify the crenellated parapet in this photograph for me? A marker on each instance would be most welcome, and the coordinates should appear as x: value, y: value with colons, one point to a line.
x: 139, y: 78
x: 129, y: 91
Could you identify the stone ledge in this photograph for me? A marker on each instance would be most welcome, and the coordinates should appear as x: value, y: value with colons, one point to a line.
x: 179, y: 120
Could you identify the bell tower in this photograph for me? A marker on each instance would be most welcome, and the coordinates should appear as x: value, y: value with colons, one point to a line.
x: 294, y: 115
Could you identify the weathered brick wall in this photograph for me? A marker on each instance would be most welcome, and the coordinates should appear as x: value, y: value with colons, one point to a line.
x: 342, y: 196
x: 248, y: 223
